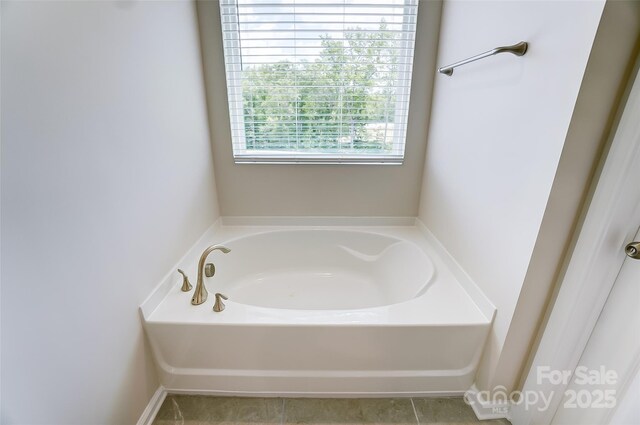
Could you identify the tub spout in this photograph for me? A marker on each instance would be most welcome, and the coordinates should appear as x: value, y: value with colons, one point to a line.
x: 200, y: 294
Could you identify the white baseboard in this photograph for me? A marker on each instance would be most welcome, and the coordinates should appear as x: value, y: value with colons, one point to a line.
x: 498, y: 408
x: 152, y: 408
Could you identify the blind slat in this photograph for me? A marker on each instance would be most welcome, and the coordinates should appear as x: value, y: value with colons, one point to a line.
x: 299, y: 4
x: 288, y: 32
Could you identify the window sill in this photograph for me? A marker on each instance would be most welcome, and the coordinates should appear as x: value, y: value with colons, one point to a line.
x: 320, y: 159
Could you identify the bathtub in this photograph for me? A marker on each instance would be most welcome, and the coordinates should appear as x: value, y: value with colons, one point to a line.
x: 339, y: 308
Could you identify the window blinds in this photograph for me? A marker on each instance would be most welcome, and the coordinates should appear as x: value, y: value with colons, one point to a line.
x: 318, y: 80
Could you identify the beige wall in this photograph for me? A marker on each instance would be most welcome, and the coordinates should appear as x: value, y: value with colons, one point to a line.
x: 502, y: 188
x: 107, y: 179
x: 334, y: 190
x: 497, y: 131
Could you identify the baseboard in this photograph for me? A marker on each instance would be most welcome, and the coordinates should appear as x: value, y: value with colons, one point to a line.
x: 498, y: 408
x: 307, y: 394
x: 152, y: 408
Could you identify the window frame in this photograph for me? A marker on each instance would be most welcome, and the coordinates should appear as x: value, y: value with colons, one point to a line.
x: 396, y: 157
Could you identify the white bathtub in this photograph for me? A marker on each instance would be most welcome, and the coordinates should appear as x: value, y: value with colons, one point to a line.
x: 334, y: 310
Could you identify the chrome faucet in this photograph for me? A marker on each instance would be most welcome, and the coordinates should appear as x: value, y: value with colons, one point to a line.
x: 200, y: 294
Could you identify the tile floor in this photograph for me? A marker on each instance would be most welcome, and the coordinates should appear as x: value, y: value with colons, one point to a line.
x: 203, y: 410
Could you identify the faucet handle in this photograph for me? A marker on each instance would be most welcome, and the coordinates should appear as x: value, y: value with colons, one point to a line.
x: 218, y: 306
x: 186, y: 285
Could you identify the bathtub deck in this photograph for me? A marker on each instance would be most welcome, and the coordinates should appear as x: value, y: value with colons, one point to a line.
x: 453, y: 299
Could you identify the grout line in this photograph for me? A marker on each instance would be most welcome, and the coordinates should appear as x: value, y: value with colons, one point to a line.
x: 414, y: 411
x: 284, y: 406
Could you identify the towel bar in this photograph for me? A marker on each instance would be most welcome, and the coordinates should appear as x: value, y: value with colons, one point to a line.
x: 517, y: 49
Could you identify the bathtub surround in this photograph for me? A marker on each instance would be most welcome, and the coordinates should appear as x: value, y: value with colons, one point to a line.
x: 502, y: 192
x: 416, y: 325
x: 107, y: 179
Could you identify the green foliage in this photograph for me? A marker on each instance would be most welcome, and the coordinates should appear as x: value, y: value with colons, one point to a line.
x: 344, y: 100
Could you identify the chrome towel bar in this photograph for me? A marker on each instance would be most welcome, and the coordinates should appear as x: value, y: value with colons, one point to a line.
x: 517, y: 49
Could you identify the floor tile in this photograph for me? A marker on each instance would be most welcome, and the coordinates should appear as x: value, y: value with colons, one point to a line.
x: 259, y: 411
x: 448, y: 411
x: 388, y: 411
x: 349, y: 411
x: 443, y: 410
x: 204, y: 410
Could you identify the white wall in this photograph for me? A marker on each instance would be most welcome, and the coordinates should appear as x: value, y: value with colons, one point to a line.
x: 332, y: 190
x: 628, y: 410
x: 497, y: 131
x: 107, y: 179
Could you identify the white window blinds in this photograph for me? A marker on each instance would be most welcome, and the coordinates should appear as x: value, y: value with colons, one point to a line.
x: 318, y: 80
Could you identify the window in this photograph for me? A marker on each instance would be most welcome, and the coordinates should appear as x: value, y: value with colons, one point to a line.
x: 318, y: 81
